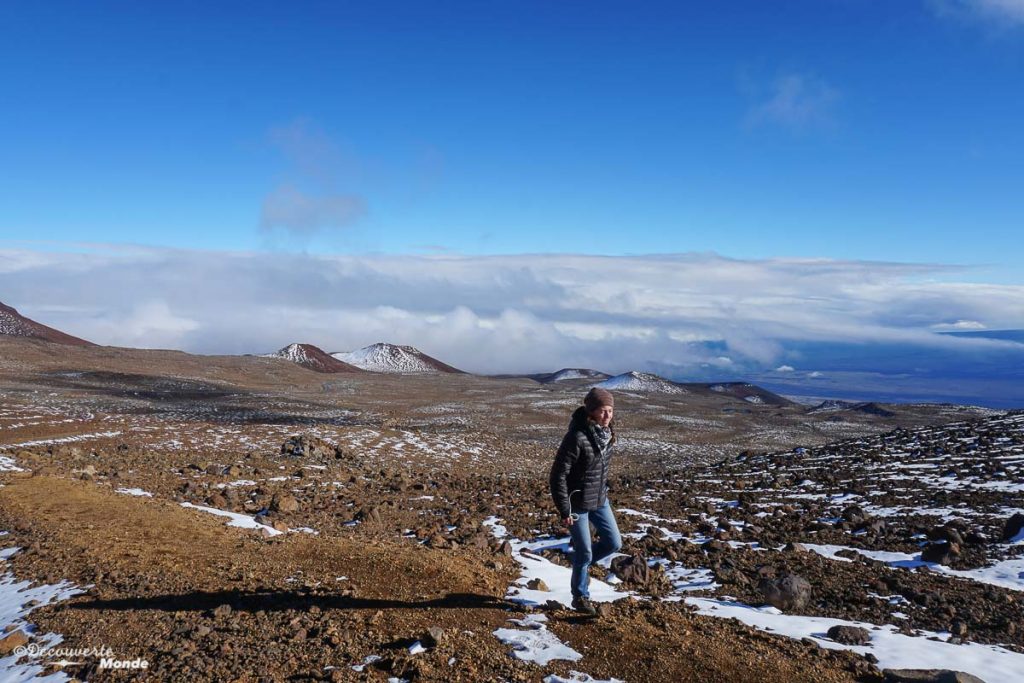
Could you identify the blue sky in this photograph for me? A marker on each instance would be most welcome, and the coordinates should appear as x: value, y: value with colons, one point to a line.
x: 803, y: 194
x: 844, y: 129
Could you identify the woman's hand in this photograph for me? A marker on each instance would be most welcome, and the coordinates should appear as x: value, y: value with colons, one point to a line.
x: 567, y: 521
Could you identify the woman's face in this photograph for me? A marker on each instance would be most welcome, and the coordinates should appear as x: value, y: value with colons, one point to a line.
x: 602, y: 416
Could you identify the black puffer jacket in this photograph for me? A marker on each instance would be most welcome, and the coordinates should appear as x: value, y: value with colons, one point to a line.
x: 580, y: 467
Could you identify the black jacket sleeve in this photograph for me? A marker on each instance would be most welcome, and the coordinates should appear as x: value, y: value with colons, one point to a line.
x: 566, y: 457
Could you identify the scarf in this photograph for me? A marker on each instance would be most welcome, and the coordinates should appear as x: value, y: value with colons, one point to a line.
x: 602, y: 435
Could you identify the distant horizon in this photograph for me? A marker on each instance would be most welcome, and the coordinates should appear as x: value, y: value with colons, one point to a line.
x: 810, y: 391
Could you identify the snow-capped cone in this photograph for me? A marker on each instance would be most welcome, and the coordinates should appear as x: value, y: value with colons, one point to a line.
x: 15, y: 324
x: 643, y: 382
x: 393, y: 358
x: 312, y: 357
x: 566, y: 374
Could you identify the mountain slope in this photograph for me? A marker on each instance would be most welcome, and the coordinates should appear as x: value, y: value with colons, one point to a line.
x: 751, y: 393
x: 16, y: 325
x: 835, y: 406
x: 393, y: 358
x: 313, y: 358
x: 642, y: 382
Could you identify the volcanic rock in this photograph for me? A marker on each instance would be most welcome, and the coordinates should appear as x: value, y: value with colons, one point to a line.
x: 310, y: 447
x: 849, y: 635
x: 940, y: 553
x: 1014, y: 527
x: 788, y: 592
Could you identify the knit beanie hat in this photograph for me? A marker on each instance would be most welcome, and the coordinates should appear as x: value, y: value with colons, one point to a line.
x: 597, y: 398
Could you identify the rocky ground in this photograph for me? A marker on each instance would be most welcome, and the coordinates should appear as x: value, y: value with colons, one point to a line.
x: 372, y: 506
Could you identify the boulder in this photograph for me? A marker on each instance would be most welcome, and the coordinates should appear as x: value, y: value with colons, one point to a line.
x: 537, y: 585
x: 849, y: 635
x: 940, y: 553
x: 369, y: 514
x: 12, y: 641
x: 1014, y: 528
x: 284, y: 503
x: 958, y: 628
x: 946, y: 532
x: 308, y: 446
x: 872, y: 526
x: 632, y: 569
x: 433, y: 636
x: 787, y: 592
x: 854, y: 514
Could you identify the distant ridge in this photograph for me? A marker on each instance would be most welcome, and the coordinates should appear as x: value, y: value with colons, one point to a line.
x: 567, y: 374
x: 312, y: 358
x: 394, y: 359
x: 642, y: 382
x: 15, y: 324
x: 835, y: 406
x: 751, y: 393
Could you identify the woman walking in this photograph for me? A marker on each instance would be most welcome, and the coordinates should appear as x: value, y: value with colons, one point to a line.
x: 579, y: 487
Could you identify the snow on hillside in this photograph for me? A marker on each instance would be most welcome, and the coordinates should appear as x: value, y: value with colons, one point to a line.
x: 831, y: 406
x: 392, y: 358
x: 14, y: 324
x: 296, y: 353
x: 575, y: 373
x: 311, y: 357
x: 642, y: 382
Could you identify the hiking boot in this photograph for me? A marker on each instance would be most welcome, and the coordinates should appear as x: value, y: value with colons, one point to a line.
x: 583, y: 606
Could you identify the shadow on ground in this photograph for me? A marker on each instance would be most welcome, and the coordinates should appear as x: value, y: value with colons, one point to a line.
x: 198, y: 601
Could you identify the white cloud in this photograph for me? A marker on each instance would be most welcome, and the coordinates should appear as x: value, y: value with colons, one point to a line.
x: 1012, y: 10
x: 959, y: 325
x: 785, y: 368
x: 796, y: 101
x: 1001, y: 12
x: 146, y: 324
x: 501, y: 313
x: 308, y: 199
x: 290, y: 208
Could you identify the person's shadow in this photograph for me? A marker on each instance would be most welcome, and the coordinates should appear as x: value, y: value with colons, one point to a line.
x: 270, y: 600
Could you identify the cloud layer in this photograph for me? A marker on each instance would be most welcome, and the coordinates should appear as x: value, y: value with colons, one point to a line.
x: 496, y: 314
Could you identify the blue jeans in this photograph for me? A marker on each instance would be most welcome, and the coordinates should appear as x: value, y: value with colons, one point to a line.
x: 583, y: 554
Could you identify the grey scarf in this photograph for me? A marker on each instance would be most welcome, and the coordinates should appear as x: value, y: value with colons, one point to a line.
x: 602, y: 435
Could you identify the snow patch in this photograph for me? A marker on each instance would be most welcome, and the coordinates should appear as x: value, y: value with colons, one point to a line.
x: 894, y: 650
x: 136, y: 492
x: 642, y: 382
x: 235, y: 519
x: 538, y: 645
x: 14, y: 595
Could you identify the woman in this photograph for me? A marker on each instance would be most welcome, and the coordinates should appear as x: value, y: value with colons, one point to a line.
x: 579, y: 486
